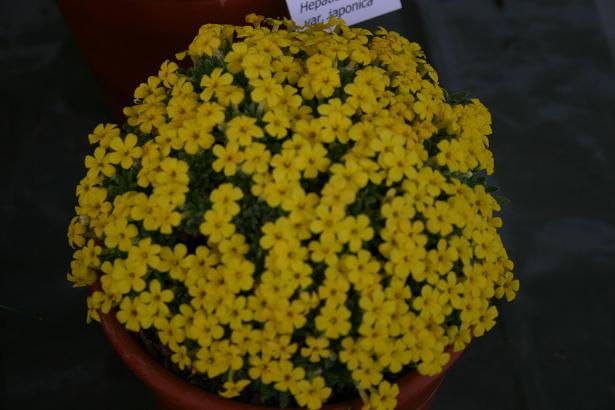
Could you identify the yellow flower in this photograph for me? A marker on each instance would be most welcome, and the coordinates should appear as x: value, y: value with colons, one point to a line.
x: 318, y: 62
x: 242, y: 129
x: 313, y: 393
x: 128, y: 314
x: 460, y: 337
x: 361, y: 97
x: 351, y: 354
x: 217, y: 225
x: 333, y: 321
x: 368, y: 374
x: 396, y: 358
x: 354, y: 231
x: 214, y: 82
x: 194, y: 136
x: 440, y: 218
x: 262, y: 368
x: 451, y: 155
x: 256, y: 159
x: 103, y: 134
x: 229, y: 157
x: 230, y: 94
x: 235, y: 57
x: 325, y: 249
x: 384, y: 398
x: 205, y: 329
x: 278, y: 122
x: 99, y: 163
x: 125, y: 278
x: 76, y: 233
x: 238, y: 275
x: 285, y: 68
x: 327, y: 222
x: 181, y: 107
x: 277, y: 191
x: 266, y: 90
x: 229, y: 355
x: 274, y: 233
x: 433, y: 365
x: 316, y: 160
x: 150, y: 89
x: 93, y: 204
x: 124, y: 151
x: 142, y: 208
x: 269, y: 47
x: 165, y: 217
x: 120, y: 234
x: 157, y: 298
x: 443, y: 257
x: 287, y: 376
x: 376, y: 307
x: 172, y: 261
x: 485, y: 321
x: 336, y: 126
x: 183, y: 86
x: 210, y: 114
x: 234, y: 247
x: 335, y: 105
x: 334, y: 289
x: 374, y: 337
x: 93, y: 306
x: 316, y: 349
x: 234, y: 312
x: 256, y: 65
x: 430, y: 303
x: 80, y: 274
x: 507, y: 286
x: 287, y: 166
x: 172, y: 171
x: 397, y: 210
x: 205, y: 43
x: 323, y: 83
x: 291, y: 316
x: 90, y: 254
x: 172, y: 333
x: 361, y: 268
x: 224, y: 199
x: 337, y: 193
x: 233, y: 389
x: 167, y: 73
x: 181, y: 357
x: 209, y: 363
x: 168, y: 197
x: 199, y: 263
x: 99, y: 301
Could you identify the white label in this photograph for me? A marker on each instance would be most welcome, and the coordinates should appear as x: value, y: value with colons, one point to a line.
x: 352, y: 11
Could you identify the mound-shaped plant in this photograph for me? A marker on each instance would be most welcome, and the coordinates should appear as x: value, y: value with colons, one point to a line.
x: 296, y: 215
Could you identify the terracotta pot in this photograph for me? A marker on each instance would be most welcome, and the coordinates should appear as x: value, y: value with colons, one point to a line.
x: 173, y: 393
x: 125, y: 41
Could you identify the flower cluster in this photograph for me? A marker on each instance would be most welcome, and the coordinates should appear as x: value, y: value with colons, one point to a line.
x: 298, y: 215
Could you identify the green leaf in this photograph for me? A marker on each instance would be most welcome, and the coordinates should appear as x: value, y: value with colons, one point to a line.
x: 502, y: 200
x: 458, y: 98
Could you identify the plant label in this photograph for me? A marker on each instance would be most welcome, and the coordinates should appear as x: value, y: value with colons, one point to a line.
x: 309, y: 12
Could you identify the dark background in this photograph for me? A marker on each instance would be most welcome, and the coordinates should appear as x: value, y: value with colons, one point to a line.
x: 544, y: 68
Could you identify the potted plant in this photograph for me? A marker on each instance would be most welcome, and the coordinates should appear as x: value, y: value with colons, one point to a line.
x: 300, y: 217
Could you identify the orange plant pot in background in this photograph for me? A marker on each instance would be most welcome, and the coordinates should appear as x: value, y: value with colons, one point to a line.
x: 416, y: 392
x: 125, y: 41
